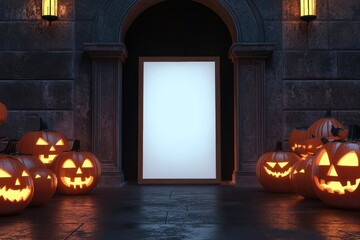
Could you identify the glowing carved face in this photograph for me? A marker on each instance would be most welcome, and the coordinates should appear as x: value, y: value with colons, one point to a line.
x: 272, y: 167
x: 50, y: 151
x: 340, y: 176
x: 77, y: 176
x: 15, y: 188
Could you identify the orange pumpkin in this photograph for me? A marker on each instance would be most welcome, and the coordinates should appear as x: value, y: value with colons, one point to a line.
x: 3, y: 113
x: 300, y: 177
x: 44, y: 144
x: 273, y: 170
x: 78, y: 172
x: 16, y: 186
x: 45, y: 183
x: 323, y: 126
x: 336, y: 174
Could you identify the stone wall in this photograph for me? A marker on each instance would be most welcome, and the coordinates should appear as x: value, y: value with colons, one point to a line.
x: 45, y: 72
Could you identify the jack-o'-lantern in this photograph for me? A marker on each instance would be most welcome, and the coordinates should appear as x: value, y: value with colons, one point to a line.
x: 16, y: 186
x: 324, y: 126
x: 3, y: 113
x: 45, y: 183
x: 273, y: 170
x: 307, y: 141
x: 301, y: 179
x: 336, y: 174
x: 78, y: 172
x: 29, y: 161
x: 44, y: 144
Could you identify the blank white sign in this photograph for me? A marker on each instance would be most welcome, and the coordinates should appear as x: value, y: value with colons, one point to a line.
x: 179, y: 120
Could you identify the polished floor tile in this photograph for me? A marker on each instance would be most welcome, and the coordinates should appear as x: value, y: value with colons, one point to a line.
x: 181, y: 212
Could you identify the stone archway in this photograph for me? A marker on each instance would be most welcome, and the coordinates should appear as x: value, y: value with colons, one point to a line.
x: 108, y: 53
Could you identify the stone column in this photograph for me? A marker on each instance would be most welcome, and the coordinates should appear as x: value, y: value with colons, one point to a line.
x: 249, y: 132
x: 107, y: 61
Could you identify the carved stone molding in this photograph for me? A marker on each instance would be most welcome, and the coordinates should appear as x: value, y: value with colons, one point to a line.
x: 249, y: 109
x: 107, y: 62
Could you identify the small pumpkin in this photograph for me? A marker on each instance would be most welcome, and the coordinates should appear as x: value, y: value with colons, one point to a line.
x: 16, y: 186
x: 44, y: 144
x: 273, y: 169
x: 78, y: 172
x: 336, y: 172
x: 300, y: 178
x: 45, y: 183
x: 3, y: 113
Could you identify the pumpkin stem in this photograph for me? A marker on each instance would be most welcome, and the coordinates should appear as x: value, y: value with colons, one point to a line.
x: 354, y: 133
x: 76, y: 146
x: 43, y: 125
x: 10, y: 147
x: 279, y: 147
x: 324, y: 140
x: 328, y: 114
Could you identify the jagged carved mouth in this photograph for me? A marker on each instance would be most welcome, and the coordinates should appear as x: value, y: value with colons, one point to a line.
x: 15, y: 195
x: 336, y: 186
x: 48, y: 159
x: 77, y: 182
x: 277, y: 174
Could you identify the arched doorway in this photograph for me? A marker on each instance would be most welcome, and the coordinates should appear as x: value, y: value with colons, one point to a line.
x: 176, y: 28
x: 248, y: 53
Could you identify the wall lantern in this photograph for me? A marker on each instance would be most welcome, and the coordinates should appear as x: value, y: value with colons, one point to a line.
x: 50, y: 10
x: 307, y: 10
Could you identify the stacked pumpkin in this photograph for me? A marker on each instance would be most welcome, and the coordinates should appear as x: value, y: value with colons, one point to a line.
x: 327, y: 167
x: 42, y: 164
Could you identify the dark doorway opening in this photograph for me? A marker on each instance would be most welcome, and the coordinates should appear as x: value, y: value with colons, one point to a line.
x: 177, y: 28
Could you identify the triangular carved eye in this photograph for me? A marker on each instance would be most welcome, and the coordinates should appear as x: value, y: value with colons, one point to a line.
x: 350, y: 159
x: 60, y: 143
x: 68, y: 164
x: 4, y: 174
x: 283, y: 164
x: 48, y: 177
x: 87, y: 164
x: 302, y: 171
x: 41, y: 141
x: 271, y: 164
x: 324, y: 159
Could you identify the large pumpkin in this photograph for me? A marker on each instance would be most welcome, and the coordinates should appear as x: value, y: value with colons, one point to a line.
x: 3, y: 113
x: 324, y: 126
x: 301, y: 178
x: 45, y: 183
x: 336, y: 174
x: 44, y: 144
x: 273, y: 170
x: 78, y: 172
x: 16, y: 186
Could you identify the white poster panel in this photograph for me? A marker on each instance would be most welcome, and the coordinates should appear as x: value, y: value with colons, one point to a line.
x: 179, y: 120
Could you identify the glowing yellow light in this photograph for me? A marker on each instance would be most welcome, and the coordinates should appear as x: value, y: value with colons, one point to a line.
x: 283, y: 164
x: 324, y: 159
x: 60, y: 143
x: 308, y: 9
x: 87, y: 164
x: 79, y: 171
x: 48, y: 159
x: 41, y: 141
x: 24, y: 174
x: 15, y: 195
x: 37, y: 176
x: 302, y: 171
x: 17, y: 182
x: 349, y: 159
x: 277, y: 174
x: 48, y: 177
x: 52, y: 149
x: 271, y: 164
x: 77, y: 182
x: 336, y: 186
x: 68, y: 164
x: 4, y: 174
x: 49, y: 9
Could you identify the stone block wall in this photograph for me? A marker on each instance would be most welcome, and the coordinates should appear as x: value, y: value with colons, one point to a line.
x: 45, y: 72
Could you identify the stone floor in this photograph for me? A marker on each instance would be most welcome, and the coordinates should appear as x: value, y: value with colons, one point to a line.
x: 181, y: 212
